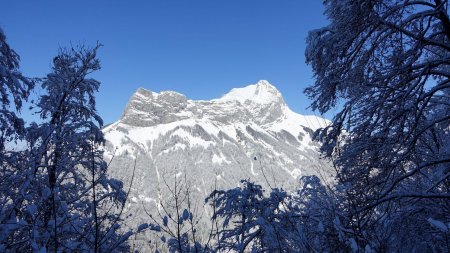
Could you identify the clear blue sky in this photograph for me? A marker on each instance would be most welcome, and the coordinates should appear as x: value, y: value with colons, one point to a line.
x: 199, y: 48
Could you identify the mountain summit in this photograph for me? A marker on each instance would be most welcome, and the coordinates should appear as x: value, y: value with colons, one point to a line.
x: 260, y: 103
x: 249, y: 133
x: 260, y: 93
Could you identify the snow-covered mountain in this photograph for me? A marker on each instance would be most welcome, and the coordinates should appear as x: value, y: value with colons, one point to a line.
x: 249, y: 133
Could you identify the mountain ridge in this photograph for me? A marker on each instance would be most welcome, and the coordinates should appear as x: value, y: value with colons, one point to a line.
x: 248, y: 133
x: 152, y: 106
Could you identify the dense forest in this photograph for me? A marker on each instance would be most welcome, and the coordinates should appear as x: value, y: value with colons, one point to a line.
x: 384, y: 65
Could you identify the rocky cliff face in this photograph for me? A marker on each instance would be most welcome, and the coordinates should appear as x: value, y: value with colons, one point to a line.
x: 261, y: 103
x: 249, y: 133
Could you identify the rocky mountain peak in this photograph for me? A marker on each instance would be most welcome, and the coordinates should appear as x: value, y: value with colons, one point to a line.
x: 147, y: 108
x: 260, y: 93
x: 260, y: 103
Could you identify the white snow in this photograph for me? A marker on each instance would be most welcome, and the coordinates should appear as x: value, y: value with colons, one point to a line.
x: 192, y: 140
x: 181, y: 146
x: 296, y: 173
x: 292, y: 122
x: 220, y: 159
x: 145, y: 198
x: 261, y: 93
x: 252, y: 169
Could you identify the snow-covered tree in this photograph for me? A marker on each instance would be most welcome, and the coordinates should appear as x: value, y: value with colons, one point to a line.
x: 318, y: 215
x: 177, y: 226
x: 253, y: 222
x: 15, y: 89
x: 386, y: 66
x: 74, y: 200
